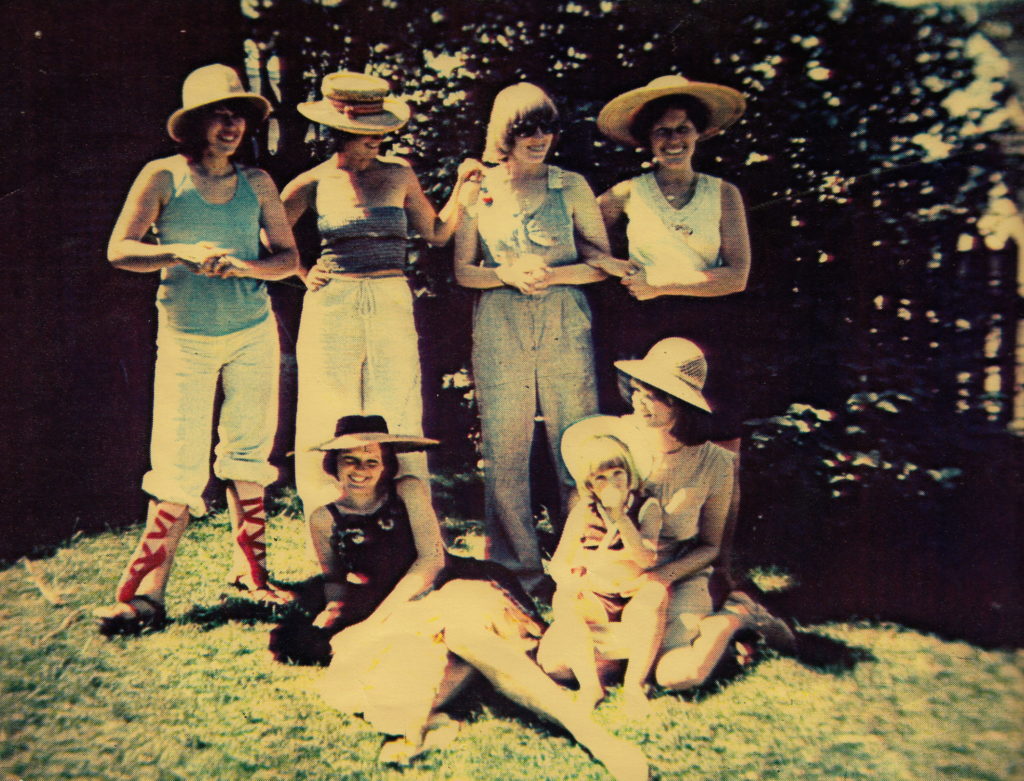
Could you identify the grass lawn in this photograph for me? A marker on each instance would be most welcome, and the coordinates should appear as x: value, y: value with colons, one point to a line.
x: 202, y: 699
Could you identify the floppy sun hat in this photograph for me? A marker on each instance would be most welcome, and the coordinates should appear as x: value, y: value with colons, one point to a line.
x: 357, y: 103
x: 725, y: 106
x: 674, y: 365
x: 354, y: 431
x: 576, y: 438
x: 213, y: 84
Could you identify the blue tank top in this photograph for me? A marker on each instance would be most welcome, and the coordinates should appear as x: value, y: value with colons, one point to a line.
x: 209, y: 306
x: 357, y: 240
x: 507, y: 233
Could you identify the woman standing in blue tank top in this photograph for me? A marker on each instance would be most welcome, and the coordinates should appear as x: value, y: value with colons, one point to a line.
x: 215, y: 324
x: 358, y: 349
x: 532, y: 349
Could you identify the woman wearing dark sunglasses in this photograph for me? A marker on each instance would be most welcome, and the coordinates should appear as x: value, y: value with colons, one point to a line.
x: 532, y: 349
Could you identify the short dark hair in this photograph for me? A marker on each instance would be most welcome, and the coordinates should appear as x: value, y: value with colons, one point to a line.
x: 191, y: 126
x: 695, y: 108
x: 339, y: 138
x: 387, y: 455
x: 692, y: 425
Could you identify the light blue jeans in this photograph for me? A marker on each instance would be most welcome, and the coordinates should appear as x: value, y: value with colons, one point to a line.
x: 530, y: 354
x: 188, y: 367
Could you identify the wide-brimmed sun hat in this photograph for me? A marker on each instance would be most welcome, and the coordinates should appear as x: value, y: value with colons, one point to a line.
x: 355, y: 431
x: 579, y: 435
x: 212, y: 84
x: 725, y: 106
x: 357, y: 103
x: 674, y: 365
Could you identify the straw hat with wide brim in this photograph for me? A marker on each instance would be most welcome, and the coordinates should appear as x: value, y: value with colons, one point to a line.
x: 576, y: 438
x: 212, y: 84
x: 674, y: 365
x: 357, y: 103
x: 725, y: 106
x: 355, y: 431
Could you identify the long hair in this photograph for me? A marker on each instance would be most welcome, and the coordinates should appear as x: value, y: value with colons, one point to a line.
x: 520, y: 103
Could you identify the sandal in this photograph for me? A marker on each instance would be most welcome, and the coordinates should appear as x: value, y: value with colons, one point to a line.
x: 776, y: 633
x: 265, y: 594
x: 143, y: 612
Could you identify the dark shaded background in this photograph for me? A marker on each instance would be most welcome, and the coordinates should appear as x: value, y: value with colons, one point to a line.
x: 86, y: 96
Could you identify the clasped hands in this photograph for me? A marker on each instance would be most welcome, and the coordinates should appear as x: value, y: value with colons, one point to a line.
x: 528, y: 274
x: 208, y: 259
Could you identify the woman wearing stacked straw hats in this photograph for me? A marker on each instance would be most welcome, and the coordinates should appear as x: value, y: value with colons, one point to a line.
x: 215, y: 324
x: 687, y: 238
x: 358, y: 347
x: 532, y: 347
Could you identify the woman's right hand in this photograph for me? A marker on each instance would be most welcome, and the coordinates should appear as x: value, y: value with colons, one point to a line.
x: 316, y: 278
x: 614, y: 267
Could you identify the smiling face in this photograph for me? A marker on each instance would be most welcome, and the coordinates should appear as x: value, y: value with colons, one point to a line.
x: 223, y: 129
x: 360, y: 471
x: 531, y: 143
x: 673, y: 138
x: 650, y: 408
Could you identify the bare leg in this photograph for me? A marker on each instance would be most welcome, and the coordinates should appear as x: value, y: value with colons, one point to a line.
x: 643, y: 622
x: 516, y: 676
x: 572, y: 646
x: 684, y: 668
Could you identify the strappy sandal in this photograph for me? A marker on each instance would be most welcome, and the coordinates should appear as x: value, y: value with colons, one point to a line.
x: 143, y: 612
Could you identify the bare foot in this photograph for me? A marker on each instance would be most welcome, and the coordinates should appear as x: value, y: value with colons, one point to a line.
x: 635, y: 702
x: 623, y: 760
x: 590, y: 698
x: 440, y: 731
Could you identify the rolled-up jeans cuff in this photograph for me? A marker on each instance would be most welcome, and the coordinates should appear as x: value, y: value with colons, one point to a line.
x: 166, y: 491
x: 259, y: 472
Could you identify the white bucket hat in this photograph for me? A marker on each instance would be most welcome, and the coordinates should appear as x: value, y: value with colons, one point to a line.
x: 576, y: 438
x: 725, y: 106
x: 357, y: 103
x: 674, y: 365
x: 212, y: 84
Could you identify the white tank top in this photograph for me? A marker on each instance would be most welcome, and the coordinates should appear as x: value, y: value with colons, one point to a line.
x: 672, y: 244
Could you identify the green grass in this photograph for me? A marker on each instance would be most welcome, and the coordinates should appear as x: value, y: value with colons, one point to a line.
x: 202, y: 700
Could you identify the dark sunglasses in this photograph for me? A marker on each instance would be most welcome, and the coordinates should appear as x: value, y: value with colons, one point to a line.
x: 528, y: 128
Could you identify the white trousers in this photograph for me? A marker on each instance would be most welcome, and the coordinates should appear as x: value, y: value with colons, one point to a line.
x: 188, y: 367
x: 358, y: 354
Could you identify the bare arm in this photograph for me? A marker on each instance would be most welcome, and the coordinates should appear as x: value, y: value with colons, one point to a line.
x: 320, y: 527
x: 436, y: 228
x: 148, y: 195
x: 469, y: 273
x: 430, y: 555
x: 637, y: 542
x: 276, y: 234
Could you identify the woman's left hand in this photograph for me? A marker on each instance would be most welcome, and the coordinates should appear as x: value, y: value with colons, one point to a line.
x: 468, y: 181
x: 636, y: 283
x: 230, y: 266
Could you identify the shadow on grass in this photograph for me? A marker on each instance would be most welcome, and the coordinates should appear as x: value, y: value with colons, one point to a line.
x: 233, y: 609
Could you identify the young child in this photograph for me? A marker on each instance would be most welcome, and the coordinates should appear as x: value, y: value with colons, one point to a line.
x: 609, y: 541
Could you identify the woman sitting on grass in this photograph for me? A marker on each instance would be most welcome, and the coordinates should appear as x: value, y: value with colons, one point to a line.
x: 609, y: 541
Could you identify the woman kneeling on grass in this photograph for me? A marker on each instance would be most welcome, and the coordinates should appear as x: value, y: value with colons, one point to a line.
x: 609, y: 541
x: 692, y: 481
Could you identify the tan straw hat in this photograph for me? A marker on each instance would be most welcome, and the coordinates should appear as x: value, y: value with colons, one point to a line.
x: 353, y: 431
x: 357, y: 103
x: 577, y: 437
x: 212, y: 84
x: 725, y: 106
x: 674, y: 365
